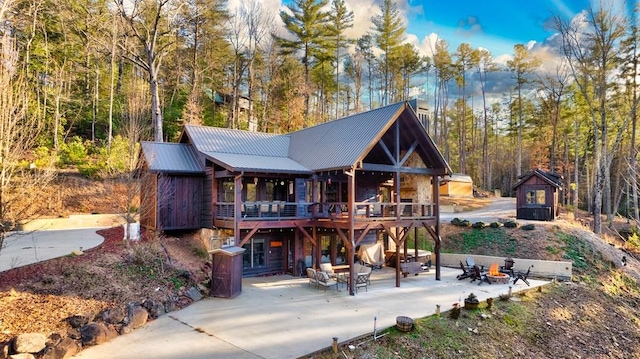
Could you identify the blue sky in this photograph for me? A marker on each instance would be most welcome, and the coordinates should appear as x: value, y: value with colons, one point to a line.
x: 495, y: 25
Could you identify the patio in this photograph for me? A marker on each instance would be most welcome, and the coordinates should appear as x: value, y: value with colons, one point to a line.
x: 285, y: 317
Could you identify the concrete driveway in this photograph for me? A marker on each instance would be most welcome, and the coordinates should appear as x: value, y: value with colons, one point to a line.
x: 284, y: 317
x: 22, y: 248
x: 499, y: 209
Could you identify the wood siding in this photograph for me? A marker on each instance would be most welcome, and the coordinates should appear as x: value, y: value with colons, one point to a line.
x: 179, y: 202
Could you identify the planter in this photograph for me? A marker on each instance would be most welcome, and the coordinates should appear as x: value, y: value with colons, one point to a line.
x: 471, y: 305
x: 404, y: 324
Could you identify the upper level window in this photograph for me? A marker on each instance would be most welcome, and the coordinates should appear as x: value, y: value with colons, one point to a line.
x: 536, y: 197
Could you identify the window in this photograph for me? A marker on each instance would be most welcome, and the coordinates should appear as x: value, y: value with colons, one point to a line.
x: 254, y: 253
x: 535, y: 197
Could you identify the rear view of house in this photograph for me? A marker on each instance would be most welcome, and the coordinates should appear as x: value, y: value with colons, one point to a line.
x: 300, y: 199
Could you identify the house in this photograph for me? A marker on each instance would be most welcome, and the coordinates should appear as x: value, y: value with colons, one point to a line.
x: 300, y: 199
x: 537, y: 195
x: 456, y: 185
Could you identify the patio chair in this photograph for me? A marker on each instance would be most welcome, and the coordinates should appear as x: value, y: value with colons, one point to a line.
x: 362, y: 280
x: 466, y: 272
x: 326, y: 281
x: 328, y: 268
x: 479, y: 275
x: 362, y: 269
x: 507, y: 268
x: 471, y: 263
x: 311, y: 274
x: 523, y: 277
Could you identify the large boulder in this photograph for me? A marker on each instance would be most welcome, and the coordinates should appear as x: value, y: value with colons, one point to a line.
x: 29, y: 343
x: 194, y: 294
x: 113, y: 315
x: 154, y: 308
x: 22, y: 356
x: 78, y: 321
x: 136, y: 316
x: 96, y: 333
x: 66, y: 348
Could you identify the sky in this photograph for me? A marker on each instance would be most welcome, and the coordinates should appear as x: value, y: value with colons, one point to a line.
x: 495, y: 25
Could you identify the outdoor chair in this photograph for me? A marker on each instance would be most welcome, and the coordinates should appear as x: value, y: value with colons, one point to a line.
x: 362, y: 269
x: 507, y: 268
x: 523, y: 277
x: 471, y: 263
x: 328, y: 268
x: 311, y: 274
x: 479, y: 275
x: 362, y: 280
x: 466, y: 272
x: 326, y: 281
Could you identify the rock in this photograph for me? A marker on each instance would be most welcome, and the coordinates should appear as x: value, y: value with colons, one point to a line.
x: 78, y: 321
x: 125, y: 329
x: 4, y: 350
x: 29, y: 343
x: 74, y: 334
x: 194, y: 294
x: 169, y: 305
x: 22, y: 356
x: 154, y: 308
x: 113, y: 315
x: 136, y: 316
x: 96, y: 333
x: 54, y: 339
x: 63, y: 350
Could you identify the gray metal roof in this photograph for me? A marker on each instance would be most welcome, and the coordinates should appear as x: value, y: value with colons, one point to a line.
x: 171, y: 157
x: 337, y: 144
x: 252, y: 163
x: 224, y: 140
x: 343, y: 142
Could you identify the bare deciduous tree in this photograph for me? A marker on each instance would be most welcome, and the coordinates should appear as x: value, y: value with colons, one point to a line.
x: 18, y: 134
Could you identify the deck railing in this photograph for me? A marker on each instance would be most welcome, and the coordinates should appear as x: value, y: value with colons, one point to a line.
x: 278, y: 210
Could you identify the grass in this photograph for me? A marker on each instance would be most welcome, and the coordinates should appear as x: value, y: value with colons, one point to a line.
x: 494, y: 241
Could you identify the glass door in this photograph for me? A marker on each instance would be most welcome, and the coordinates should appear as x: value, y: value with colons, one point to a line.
x: 254, y: 254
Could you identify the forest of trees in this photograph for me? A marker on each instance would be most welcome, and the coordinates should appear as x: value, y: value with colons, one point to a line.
x: 90, y: 78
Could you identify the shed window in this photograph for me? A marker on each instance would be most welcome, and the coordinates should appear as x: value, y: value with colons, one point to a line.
x: 536, y: 197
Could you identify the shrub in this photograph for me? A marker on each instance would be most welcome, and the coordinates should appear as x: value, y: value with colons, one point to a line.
x: 74, y: 152
x: 528, y: 227
x: 495, y: 225
x: 511, y: 224
x: 479, y: 225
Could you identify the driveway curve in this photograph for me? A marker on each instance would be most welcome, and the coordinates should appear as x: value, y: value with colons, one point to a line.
x: 499, y: 209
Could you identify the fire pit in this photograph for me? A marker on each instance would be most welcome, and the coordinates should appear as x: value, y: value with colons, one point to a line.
x: 494, y: 275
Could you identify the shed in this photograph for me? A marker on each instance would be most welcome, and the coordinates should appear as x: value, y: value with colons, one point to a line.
x: 457, y: 185
x: 537, y: 195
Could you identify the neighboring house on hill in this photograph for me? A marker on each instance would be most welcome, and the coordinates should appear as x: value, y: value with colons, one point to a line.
x: 537, y: 195
x: 302, y: 198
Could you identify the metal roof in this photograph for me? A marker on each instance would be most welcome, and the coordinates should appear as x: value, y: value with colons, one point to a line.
x: 171, y: 157
x: 252, y: 163
x: 337, y: 144
x: 341, y: 143
x: 224, y: 140
x: 551, y: 178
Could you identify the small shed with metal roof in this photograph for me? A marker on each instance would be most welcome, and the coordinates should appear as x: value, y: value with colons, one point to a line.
x: 537, y: 194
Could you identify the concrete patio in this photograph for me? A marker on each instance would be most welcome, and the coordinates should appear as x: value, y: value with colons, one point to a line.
x: 285, y: 317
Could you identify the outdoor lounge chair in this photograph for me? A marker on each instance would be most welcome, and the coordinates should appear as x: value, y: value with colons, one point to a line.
x: 311, y: 274
x: 471, y: 263
x: 328, y: 268
x: 326, y: 281
x: 523, y: 277
x: 479, y: 275
x: 507, y: 268
x: 466, y: 272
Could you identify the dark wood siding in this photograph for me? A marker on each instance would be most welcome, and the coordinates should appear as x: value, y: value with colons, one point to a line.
x: 179, y: 202
x: 148, y: 200
x: 206, y: 216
